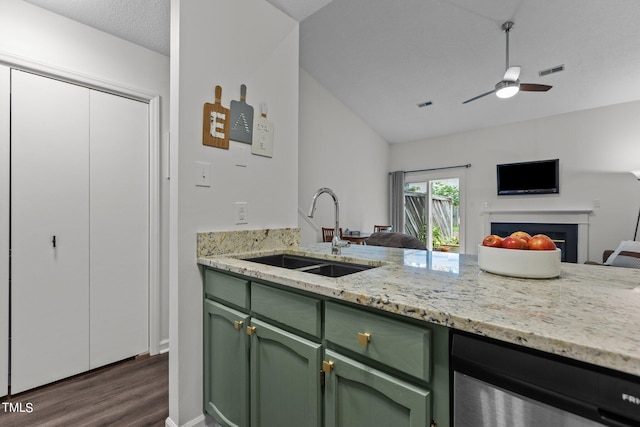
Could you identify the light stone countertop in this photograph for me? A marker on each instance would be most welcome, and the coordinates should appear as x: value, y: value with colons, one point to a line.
x: 590, y: 313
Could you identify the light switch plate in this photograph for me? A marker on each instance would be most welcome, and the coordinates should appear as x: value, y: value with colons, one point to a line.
x: 203, y: 174
x: 241, y: 212
x: 240, y: 153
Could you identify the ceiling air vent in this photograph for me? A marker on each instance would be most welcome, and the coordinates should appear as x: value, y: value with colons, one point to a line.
x: 551, y: 70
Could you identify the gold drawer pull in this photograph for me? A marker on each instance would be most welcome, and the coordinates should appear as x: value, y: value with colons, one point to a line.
x: 238, y: 324
x: 327, y: 367
x: 364, y: 338
x: 251, y: 330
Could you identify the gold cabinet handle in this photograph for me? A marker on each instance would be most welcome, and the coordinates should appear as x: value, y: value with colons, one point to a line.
x: 364, y: 338
x: 327, y: 367
x: 251, y: 330
x: 238, y: 324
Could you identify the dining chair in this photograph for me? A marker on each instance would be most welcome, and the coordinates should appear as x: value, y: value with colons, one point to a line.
x: 382, y: 228
x: 327, y: 234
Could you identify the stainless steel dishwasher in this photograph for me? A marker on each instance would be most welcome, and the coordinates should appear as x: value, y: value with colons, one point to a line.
x: 501, y: 385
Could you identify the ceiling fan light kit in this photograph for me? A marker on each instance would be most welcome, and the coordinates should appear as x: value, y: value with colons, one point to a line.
x: 505, y: 89
x: 510, y: 85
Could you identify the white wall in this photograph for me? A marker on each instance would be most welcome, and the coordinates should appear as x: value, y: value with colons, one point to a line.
x: 5, y: 90
x: 217, y: 42
x: 53, y: 44
x: 597, y: 148
x: 337, y: 150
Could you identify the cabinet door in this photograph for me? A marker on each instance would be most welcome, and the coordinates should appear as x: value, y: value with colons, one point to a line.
x: 359, y: 396
x: 119, y: 228
x: 226, y: 365
x: 49, y: 197
x: 285, y: 378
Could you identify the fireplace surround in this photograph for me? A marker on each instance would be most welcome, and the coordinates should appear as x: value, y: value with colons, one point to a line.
x: 577, y: 219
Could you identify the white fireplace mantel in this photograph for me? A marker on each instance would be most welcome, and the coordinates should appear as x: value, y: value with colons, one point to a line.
x: 545, y: 216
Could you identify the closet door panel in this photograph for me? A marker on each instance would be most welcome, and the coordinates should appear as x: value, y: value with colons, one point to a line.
x: 49, y: 197
x: 119, y: 217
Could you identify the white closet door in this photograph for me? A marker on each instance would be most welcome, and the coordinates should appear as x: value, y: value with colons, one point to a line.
x: 119, y: 217
x: 5, y: 88
x: 49, y: 197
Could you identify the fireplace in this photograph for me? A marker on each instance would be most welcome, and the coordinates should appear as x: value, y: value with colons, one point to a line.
x: 565, y: 236
x: 544, y: 218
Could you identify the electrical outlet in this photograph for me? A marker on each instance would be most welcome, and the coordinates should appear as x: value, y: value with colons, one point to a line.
x: 203, y: 174
x: 242, y: 212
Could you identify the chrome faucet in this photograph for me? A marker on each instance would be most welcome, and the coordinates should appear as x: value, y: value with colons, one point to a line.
x: 336, y: 243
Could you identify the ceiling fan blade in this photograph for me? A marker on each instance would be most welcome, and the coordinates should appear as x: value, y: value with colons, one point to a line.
x: 512, y: 74
x: 479, y: 96
x: 533, y: 87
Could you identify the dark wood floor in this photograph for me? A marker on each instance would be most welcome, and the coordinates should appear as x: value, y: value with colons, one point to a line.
x: 130, y: 393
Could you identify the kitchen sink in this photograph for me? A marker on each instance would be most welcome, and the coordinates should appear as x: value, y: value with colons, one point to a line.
x: 322, y: 267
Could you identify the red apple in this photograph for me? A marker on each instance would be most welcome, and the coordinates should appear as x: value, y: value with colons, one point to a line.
x: 541, y: 242
x: 492, y: 241
x: 521, y: 235
x: 511, y: 242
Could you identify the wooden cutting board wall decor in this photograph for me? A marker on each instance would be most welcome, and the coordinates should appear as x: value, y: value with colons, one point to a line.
x: 262, y: 134
x: 241, y: 118
x: 215, y: 123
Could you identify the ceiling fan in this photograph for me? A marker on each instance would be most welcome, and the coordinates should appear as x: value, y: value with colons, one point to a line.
x: 510, y: 85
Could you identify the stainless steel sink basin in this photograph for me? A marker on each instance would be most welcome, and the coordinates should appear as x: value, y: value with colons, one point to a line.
x: 322, y: 267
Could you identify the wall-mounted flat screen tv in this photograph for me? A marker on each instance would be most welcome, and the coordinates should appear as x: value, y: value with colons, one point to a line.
x: 539, y: 177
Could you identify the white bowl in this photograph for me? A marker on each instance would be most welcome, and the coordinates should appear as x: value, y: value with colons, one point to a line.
x: 519, y: 263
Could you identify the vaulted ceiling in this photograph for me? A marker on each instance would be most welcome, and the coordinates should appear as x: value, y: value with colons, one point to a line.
x: 382, y: 58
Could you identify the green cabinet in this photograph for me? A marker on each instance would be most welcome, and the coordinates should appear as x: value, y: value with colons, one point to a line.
x: 397, y: 344
x: 257, y: 374
x: 378, y: 367
x: 285, y: 378
x: 263, y: 357
x: 357, y: 395
x: 226, y: 364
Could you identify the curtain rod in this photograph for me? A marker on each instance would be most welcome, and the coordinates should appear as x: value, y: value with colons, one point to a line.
x: 468, y: 165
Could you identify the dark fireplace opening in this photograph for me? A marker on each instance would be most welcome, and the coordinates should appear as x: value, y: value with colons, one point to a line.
x: 565, y: 236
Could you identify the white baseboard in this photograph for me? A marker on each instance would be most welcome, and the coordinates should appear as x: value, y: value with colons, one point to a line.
x: 164, y: 346
x: 198, y: 421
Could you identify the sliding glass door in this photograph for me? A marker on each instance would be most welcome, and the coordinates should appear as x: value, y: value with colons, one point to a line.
x: 434, y: 209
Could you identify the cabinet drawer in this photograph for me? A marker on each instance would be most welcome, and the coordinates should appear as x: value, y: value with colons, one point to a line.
x: 397, y: 344
x: 231, y: 289
x: 297, y: 311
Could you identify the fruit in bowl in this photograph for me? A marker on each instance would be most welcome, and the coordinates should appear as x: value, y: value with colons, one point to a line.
x: 537, y: 258
x: 511, y: 242
x: 541, y: 242
x: 521, y: 235
x: 493, y: 241
x: 520, y: 240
